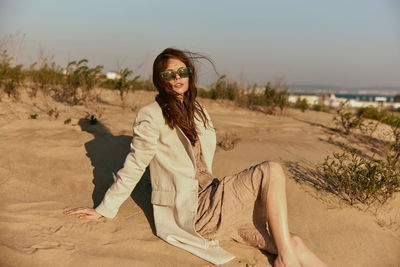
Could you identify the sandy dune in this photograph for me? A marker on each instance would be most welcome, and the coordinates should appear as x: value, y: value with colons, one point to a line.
x: 47, y: 167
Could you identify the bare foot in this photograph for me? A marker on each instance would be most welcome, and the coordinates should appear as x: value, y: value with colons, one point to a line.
x: 290, y: 261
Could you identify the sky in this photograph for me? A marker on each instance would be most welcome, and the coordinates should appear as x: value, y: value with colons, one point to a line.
x: 343, y: 43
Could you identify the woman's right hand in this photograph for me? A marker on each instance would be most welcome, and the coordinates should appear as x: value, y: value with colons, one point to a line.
x: 86, y: 213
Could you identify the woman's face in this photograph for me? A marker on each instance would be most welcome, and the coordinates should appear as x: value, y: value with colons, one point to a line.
x: 179, y: 84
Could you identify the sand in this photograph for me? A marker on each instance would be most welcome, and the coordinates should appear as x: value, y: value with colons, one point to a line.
x: 47, y: 167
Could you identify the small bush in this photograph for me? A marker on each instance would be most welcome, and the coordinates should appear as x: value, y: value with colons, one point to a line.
x: 222, y: 89
x: 317, y: 107
x: 48, y: 74
x: 357, y: 179
x: 379, y: 114
x: 201, y: 92
x: 53, y: 113
x: 79, y: 81
x: 346, y: 120
x: 395, y: 146
x: 123, y: 84
x: 276, y: 97
x: 67, y: 121
x: 368, y: 128
x: 269, y: 101
x: 33, y: 116
x: 301, y: 104
x: 366, y: 180
x: 373, y: 113
x: 10, y: 76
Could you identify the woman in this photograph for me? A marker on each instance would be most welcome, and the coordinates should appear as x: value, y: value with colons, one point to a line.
x: 192, y: 210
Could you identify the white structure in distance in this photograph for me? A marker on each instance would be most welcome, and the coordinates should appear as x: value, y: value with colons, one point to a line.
x: 333, y: 101
x: 113, y: 75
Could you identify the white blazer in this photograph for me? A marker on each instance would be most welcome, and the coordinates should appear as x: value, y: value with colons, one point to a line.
x: 174, y: 186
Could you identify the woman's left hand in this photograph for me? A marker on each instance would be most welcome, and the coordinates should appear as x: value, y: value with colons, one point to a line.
x: 86, y: 213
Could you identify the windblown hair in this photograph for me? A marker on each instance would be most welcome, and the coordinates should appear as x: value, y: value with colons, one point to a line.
x: 175, y: 112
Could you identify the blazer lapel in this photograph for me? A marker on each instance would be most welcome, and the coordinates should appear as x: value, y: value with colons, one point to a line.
x: 204, y: 134
x: 186, y: 143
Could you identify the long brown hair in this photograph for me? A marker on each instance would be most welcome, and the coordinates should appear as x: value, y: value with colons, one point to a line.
x: 175, y: 112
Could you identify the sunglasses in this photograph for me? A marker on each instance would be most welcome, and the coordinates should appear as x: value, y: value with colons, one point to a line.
x: 171, y: 75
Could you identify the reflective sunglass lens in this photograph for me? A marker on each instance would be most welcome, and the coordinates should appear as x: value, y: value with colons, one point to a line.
x: 184, y: 72
x: 168, y: 75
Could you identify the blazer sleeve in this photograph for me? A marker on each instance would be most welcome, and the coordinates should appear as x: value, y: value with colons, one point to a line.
x: 143, y: 149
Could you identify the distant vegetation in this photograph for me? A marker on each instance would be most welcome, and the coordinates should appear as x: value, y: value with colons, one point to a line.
x: 123, y: 84
x: 274, y: 98
x: 378, y: 114
x: 10, y: 76
x: 72, y: 84
x: 349, y: 119
x: 301, y: 104
x: 346, y: 120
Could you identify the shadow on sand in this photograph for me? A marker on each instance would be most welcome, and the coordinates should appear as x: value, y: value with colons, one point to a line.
x: 107, y: 154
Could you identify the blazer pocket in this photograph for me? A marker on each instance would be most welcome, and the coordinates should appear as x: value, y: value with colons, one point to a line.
x: 163, y: 198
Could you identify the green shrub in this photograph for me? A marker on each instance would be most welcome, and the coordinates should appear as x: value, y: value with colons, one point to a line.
x: 53, y: 113
x: 368, y: 128
x: 356, y: 178
x: 395, y: 146
x: 47, y: 75
x: 123, y: 84
x: 78, y: 77
x: 301, y: 104
x: 317, y: 107
x: 276, y: 97
x: 10, y: 76
x: 379, y: 114
x: 33, y: 116
x: 271, y: 99
x: 201, y: 92
x: 346, y: 120
x: 222, y: 89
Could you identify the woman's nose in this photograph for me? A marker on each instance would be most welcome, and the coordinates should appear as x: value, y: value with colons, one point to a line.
x: 176, y: 76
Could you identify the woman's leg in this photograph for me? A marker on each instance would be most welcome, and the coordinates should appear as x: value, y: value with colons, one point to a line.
x: 291, y: 249
x: 304, y: 254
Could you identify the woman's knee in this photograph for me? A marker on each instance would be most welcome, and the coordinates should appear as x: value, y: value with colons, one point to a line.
x: 275, y: 170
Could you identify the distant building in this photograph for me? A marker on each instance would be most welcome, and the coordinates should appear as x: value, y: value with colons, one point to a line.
x: 381, y: 99
x: 355, y: 101
x: 311, y: 99
x: 113, y: 75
